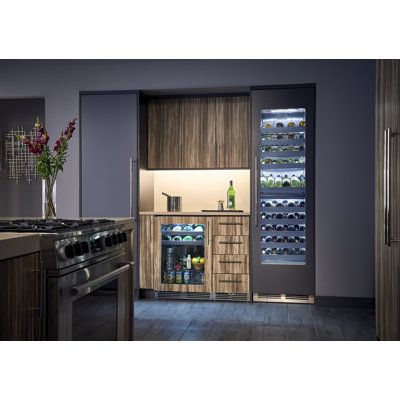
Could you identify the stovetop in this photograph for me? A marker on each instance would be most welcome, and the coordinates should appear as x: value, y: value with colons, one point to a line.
x: 50, y: 225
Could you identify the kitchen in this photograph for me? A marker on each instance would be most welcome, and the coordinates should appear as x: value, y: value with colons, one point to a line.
x: 190, y: 138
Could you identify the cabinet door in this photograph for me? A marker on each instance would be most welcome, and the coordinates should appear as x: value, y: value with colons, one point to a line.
x: 146, y: 270
x: 198, y: 131
x: 232, y: 132
x: 163, y: 230
x: 164, y: 134
x: 20, y: 298
x: 387, y: 198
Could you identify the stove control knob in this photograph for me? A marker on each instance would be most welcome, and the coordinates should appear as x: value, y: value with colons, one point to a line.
x: 85, y: 247
x: 78, y: 249
x: 114, y: 239
x: 124, y: 237
x: 96, y: 244
x: 119, y: 237
x: 68, y: 252
x: 108, y: 241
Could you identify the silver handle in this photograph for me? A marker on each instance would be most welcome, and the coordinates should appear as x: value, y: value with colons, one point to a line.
x: 229, y: 281
x: 256, y: 191
x: 230, y: 223
x: 96, y: 283
x: 230, y: 242
x: 387, y: 178
x: 230, y: 262
x: 209, y: 233
x: 132, y: 162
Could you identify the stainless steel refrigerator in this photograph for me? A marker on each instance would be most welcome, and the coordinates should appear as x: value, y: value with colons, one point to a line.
x: 283, y: 239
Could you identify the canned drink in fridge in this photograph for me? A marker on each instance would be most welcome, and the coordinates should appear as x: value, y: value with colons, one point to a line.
x: 170, y: 276
x: 178, y: 277
x: 186, y: 276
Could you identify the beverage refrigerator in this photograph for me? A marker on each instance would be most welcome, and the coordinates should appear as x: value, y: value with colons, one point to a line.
x: 283, y: 131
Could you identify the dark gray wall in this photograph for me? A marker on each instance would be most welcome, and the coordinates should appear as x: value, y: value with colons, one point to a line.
x: 344, y: 138
x: 20, y: 199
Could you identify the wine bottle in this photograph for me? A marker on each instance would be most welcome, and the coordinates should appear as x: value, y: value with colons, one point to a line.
x: 230, y: 195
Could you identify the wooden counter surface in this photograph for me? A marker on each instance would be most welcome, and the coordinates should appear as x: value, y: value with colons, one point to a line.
x: 18, y: 244
x: 197, y: 213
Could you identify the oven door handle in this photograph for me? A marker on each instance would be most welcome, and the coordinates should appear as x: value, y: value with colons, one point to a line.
x: 94, y: 284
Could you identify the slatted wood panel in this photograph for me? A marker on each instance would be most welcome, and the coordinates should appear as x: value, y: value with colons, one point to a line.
x: 233, y: 131
x: 146, y: 269
x: 231, y: 283
x: 230, y: 245
x: 230, y: 226
x: 231, y: 264
x: 20, y: 298
x: 387, y: 259
x: 164, y: 134
x: 198, y: 132
x: 158, y: 221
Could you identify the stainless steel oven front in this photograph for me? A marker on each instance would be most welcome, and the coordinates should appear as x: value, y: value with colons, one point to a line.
x: 91, y: 301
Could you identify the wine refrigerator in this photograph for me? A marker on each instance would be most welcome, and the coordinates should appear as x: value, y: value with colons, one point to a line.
x: 283, y: 135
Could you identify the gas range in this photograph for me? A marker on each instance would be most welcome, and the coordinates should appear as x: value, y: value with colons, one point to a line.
x: 68, y: 242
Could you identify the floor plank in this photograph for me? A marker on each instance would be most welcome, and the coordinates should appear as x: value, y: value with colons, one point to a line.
x: 301, y: 325
x: 276, y: 324
x: 325, y: 324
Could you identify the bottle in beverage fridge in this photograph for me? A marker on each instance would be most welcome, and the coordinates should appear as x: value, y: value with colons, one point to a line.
x: 294, y: 181
x: 285, y: 181
x: 278, y: 181
x: 189, y: 262
x: 230, y: 197
x: 270, y: 181
x: 302, y: 181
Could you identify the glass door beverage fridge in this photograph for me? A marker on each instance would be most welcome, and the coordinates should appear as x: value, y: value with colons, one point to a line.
x: 283, y: 125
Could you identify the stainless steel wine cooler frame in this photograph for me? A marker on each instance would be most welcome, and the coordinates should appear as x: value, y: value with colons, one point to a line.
x: 275, y: 279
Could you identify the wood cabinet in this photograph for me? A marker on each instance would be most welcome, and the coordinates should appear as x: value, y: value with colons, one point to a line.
x: 230, y: 254
x: 158, y: 256
x: 232, y: 132
x: 198, y: 133
x: 164, y: 134
x: 387, y: 200
x: 21, y: 303
x: 146, y: 245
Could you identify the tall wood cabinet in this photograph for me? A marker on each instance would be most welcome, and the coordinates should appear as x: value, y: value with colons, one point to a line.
x: 198, y: 133
x: 387, y: 199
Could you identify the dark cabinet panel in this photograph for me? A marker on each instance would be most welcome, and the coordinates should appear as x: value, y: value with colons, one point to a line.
x: 164, y: 134
x: 20, y: 298
x: 198, y: 127
x: 387, y: 200
x: 232, y: 132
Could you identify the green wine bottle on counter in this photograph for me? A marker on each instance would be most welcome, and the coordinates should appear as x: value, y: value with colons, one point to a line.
x: 230, y: 197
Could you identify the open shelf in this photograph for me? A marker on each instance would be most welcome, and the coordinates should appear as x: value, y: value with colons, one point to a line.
x: 281, y: 154
x: 283, y: 166
x: 288, y: 129
x: 282, y: 142
x: 287, y: 191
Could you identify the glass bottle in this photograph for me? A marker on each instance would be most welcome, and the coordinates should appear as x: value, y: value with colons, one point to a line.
x: 270, y: 181
x: 278, y: 181
x: 294, y: 181
x: 230, y: 195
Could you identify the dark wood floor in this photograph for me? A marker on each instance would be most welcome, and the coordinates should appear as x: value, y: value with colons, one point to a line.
x: 195, y: 320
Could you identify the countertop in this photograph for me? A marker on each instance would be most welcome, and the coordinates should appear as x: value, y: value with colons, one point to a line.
x: 18, y: 244
x: 197, y: 213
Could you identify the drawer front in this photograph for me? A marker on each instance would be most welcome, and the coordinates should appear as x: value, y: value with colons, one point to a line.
x: 231, y: 283
x: 231, y: 226
x: 230, y: 245
x: 231, y: 264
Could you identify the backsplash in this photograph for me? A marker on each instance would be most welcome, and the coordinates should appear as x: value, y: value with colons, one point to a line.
x: 201, y: 189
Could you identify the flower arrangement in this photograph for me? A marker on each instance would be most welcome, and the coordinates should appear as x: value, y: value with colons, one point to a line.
x: 49, y: 163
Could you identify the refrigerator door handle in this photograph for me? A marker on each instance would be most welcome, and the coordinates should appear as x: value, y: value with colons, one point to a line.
x: 255, y: 191
x: 387, y: 177
x: 132, y: 162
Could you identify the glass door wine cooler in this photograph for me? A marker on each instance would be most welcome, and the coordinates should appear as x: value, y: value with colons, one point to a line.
x: 182, y: 254
x: 283, y: 190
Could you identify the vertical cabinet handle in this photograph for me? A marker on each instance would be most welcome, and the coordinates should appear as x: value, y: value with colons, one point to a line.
x: 387, y: 178
x: 256, y: 191
x: 209, y: 233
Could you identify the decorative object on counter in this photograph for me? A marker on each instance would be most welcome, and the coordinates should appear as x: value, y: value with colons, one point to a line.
x: 173, y: 202
x: 18, y: 160
x: 48, y: 164
x: 220, y: 205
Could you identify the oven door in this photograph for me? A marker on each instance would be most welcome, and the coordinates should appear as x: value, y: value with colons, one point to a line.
x: 92, y: 303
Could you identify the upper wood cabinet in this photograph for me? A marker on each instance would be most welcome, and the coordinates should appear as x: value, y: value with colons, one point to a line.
x: 164, y: 134
x: 232, y: 132
x: 198, y: 130
x: 198, y: 133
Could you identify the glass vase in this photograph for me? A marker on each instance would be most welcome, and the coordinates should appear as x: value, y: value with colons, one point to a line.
x: 49, y: 198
